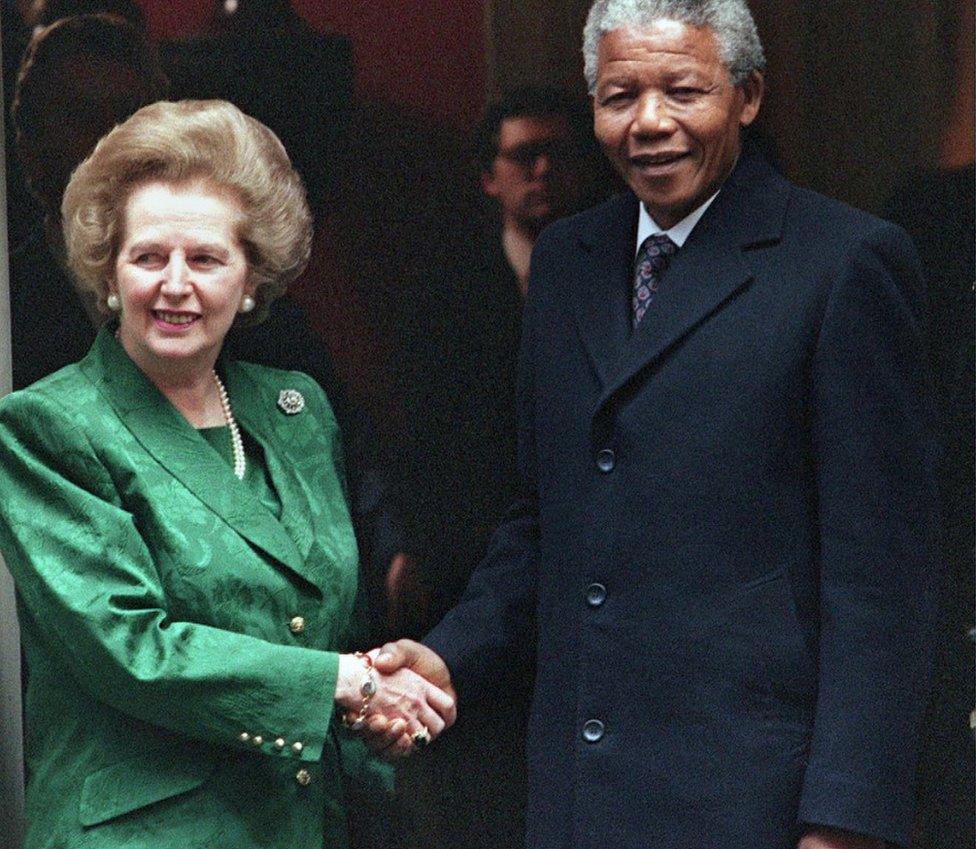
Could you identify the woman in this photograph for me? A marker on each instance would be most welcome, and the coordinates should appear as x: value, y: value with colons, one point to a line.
x: 176, y: 524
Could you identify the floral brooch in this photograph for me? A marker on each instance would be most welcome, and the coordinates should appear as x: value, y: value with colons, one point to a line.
x: 291, y: 401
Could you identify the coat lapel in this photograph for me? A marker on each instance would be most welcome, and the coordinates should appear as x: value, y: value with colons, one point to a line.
x: 176, y: 445
x: 601, y: 293
x: 708, y: 271
x: 256, y: 408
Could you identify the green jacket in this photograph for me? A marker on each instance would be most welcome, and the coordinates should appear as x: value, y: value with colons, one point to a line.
x: 174, y: 700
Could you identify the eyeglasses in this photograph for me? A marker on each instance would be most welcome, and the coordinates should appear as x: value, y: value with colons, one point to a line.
x: 526, y: 155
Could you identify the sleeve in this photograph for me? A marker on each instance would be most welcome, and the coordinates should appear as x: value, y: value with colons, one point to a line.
x: 81, y: 567
x: 877, y: 510
x: 495, y: 619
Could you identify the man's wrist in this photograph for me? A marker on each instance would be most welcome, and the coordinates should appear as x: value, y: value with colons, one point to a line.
x: 821, y: 837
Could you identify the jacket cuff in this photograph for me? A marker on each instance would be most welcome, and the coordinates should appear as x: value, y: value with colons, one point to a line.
x: 837, y: 802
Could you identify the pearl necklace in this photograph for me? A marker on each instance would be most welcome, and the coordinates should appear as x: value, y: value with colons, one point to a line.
x: 240, y: 464
x: 236, y: 443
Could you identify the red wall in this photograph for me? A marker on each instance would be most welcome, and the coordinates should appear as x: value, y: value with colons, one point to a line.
x: 427, y: 56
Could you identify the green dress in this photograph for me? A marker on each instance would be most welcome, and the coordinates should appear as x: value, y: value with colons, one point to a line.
x: 181, y: 627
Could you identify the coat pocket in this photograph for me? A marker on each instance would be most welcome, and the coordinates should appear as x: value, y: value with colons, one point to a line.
x: 768, y: 625
x: 139, y: 781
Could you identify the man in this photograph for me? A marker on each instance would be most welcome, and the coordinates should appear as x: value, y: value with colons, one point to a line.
x: 529, y: 158
x: 725, y: 544
x: 456, y: 369
x: 458, y: 349
x: 77, y: 79
x: 938, y: 209
x: 263, y: 57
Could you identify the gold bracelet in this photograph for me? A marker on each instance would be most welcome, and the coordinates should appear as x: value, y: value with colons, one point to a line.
x: 367, y: 690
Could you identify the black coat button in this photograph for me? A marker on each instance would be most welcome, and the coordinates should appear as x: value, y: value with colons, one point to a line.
x: 593, y: 731
x: 596, y: 594
x: 606, y: 460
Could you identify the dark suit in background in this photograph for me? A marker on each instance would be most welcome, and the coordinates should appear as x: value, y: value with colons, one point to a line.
x: 727, y: 536
x: 937, y: 210
x: 456, y: 369
x: 266, y: 60
x: 50, y: 327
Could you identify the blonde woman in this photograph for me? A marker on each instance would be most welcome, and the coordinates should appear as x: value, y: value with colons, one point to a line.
x: 177, y: 525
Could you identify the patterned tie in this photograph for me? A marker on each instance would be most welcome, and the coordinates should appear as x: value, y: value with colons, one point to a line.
x: 652, y: 261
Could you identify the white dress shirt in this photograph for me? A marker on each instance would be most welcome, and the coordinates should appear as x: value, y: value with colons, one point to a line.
x: 646, y: 226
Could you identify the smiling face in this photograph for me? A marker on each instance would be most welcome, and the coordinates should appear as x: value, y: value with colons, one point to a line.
x: 180, y: 275
x: 668, y: 116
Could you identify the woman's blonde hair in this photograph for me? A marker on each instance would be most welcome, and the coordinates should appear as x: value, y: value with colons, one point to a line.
x: 189, y: 141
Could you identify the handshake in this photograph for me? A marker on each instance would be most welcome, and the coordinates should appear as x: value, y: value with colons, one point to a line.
x: 399, y: 697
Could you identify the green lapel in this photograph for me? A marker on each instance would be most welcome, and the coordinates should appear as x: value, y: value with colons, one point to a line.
x: 175, y: 444
x: 282, y: 438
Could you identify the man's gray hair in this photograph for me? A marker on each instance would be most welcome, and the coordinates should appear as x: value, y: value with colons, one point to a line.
x: 738, y: 41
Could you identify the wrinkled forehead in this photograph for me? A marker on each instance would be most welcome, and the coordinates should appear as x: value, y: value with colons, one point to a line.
x: 664, y: 43
x: 188, y: 203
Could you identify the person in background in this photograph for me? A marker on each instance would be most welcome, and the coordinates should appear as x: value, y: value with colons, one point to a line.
x: 937, y: 207
x: 77, y: 79
x: 456, y: 368
x: 43, y: 13
x: 725, y: 548
x: 529, y: 152
x: 459, y: 340
x: 263, y: 56
x: 937, y: 210
x: 176, y: 522
x: 14, y: 36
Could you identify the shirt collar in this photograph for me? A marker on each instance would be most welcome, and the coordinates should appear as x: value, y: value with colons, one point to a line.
x: 517, y: 248
x: 678, y: 234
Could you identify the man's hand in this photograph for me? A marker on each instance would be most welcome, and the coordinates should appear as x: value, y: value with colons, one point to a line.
x: 389, y: 737
x: 418, y: 658
x: 404, y: 710
x: 834, y: 838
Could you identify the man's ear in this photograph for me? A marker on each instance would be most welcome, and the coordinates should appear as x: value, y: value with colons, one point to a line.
x: 752, y: 88
x: 488, y: 184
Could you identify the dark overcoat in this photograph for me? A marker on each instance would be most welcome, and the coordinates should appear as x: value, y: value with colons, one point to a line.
x: 726, y: 544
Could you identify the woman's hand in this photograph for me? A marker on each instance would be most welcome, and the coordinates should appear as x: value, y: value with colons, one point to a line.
x: 403, y: 709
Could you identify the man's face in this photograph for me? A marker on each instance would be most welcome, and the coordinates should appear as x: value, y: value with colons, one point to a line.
x: 529, y: 176
x: 668, y: 116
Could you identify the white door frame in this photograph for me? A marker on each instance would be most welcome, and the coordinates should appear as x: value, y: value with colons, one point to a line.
x: 11, y: 739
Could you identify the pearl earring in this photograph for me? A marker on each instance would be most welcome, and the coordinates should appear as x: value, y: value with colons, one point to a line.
x: 247, y: 304
x: 113, y: 302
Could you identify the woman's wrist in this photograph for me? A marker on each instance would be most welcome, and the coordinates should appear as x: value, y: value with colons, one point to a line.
x: 355, y: 684
x: 349, y: 671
